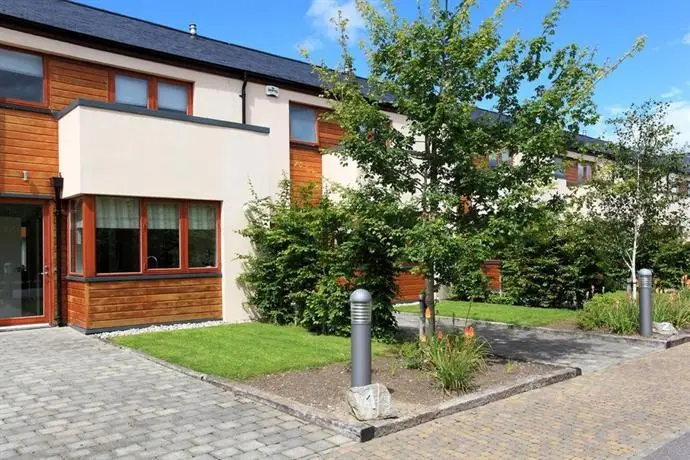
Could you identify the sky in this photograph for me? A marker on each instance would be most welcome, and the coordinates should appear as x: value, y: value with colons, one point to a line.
x: 661, y: 71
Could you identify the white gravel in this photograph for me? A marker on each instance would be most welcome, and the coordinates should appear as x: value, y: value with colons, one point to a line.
x: 160, y: 328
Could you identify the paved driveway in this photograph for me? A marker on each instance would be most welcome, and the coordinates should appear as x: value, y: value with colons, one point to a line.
x: 66, y: 395
x: 587, y: 353
x: 624, y: 411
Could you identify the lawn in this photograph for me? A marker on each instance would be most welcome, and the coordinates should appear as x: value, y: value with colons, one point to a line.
x: 525, y: 316
x: 242, y: 351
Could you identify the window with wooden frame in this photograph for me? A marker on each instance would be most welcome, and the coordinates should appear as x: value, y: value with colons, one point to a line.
x: 303, y: 124
x: 578, y: 172
x: 22, y: 78
x: 153, y: 93
x: 126, y: 236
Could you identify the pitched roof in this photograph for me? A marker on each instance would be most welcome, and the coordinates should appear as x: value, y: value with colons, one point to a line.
x: 75, y: 18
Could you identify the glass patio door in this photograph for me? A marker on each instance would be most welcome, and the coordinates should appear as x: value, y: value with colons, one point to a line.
x: 21, y: 262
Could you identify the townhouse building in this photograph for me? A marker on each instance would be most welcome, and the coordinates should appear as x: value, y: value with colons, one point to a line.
x: 127, y: 150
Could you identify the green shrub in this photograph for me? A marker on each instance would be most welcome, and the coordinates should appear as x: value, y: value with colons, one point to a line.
x: 412, y: 355
x: 308, y: 256
x: 617, y: 313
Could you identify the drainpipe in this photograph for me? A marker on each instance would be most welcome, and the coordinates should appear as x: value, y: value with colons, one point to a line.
x: 58, y: 183
x: 243, y: 95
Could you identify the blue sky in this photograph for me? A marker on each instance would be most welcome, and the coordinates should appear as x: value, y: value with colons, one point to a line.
x: 661, y: 71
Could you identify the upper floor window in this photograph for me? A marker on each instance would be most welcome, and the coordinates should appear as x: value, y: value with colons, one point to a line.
x: 578, y: 172
x: 558, y: 168
x: 584, y: 172
x: 152, y: 93
x: 302, y: 124
x: 21, y: 76
x: 496, y: 159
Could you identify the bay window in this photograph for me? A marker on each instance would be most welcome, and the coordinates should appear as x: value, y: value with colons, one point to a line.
x: 129, y: 236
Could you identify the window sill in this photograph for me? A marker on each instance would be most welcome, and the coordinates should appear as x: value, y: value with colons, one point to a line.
x: 140, y: 277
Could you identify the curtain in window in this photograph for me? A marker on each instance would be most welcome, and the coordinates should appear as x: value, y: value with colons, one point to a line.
x: 112, y: 212
x: 163, y: 216
x: 202, y: 217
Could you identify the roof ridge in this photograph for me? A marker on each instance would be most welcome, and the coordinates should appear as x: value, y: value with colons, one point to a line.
x: 182, y: 31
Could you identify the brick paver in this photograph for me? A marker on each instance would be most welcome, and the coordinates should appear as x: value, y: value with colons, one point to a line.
x: 66, y: 395
x: 623, y: 411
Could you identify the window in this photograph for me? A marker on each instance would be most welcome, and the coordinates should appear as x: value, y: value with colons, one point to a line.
x: 302, y: 124
x: 76, y: 242
x: 172, y: 97
x: 202, y: 235
x: 152, y: 93
x: 117, y: 235
x: 131, y: 90
x: 21, y: 76
x: 496, y: 159
x: 130, y: 235
x: 584, y: 172
x: 163, y: 235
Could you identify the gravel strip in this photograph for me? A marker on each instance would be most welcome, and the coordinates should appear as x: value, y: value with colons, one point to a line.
x: 160, y: 328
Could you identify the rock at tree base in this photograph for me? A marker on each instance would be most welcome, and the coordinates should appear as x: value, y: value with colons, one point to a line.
x: 369, y: 402
x: 664, y: 328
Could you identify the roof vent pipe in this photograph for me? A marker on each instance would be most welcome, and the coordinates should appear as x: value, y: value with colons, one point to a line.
x: 192, y: 29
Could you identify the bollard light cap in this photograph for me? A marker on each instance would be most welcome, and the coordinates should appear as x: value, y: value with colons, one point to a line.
x: 360, y: 296
x: 645, y: 272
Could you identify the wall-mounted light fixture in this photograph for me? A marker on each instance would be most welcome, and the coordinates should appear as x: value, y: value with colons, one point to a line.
x: 25, y: 176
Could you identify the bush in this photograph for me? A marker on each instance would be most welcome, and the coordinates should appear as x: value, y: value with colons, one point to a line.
x: 308, y: 256
x: 618, y: 314
x: 453, y: 359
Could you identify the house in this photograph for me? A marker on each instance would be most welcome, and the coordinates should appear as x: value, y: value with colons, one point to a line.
x: 126, y: 153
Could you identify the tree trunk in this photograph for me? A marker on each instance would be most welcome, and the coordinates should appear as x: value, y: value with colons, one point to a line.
x: 430, y: 288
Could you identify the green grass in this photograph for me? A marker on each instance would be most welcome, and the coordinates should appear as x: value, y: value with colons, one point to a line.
x: 242, y: 351
x: 524, y: 316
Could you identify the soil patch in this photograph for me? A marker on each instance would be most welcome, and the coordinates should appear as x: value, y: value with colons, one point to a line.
x: 412, y: 391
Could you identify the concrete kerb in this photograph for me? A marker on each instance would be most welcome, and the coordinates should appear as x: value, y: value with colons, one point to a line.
x: 360, y: 431
x: 653, y: 342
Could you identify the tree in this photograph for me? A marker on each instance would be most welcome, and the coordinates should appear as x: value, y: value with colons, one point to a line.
x: 635, y: 189
x: 434, y: 71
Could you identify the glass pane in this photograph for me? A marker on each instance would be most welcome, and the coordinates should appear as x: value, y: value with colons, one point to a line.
x: 76, y: 238
x: 558, y: 167
x: 202, y: 235
x: 163, y: 235
x: 302, y: 124
x: 21, y: 260
x: 493, y: 161
x: 131, y: 90
x: 172, y: 97
x: 21, y: 76
x: 580, y: 173
x: 117, y: 235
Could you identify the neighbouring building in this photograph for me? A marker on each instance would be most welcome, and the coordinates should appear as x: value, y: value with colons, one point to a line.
x: 127, y: 150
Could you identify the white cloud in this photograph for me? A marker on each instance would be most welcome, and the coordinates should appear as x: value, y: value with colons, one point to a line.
x: 679, y: 117
x: 615, y: 109
x: 686, y: 39
x: 321, y: 13
x: 674, y: 91
x: 309, y: 44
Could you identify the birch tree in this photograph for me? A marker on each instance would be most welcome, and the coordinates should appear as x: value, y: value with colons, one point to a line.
x: 435, y: 70
x: 639, y: 183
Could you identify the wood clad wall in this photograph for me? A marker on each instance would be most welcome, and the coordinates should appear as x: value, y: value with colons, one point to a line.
x: 306, y: 161
x: 571, y: 173
x: 492, y: 270
x: 133, y: 302
x: 409, y: 286
x: 77, y: 296
x: 29, y: 140
x: 305, y: 169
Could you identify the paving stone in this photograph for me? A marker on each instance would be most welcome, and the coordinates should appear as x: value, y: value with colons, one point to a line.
x: 62, y: 393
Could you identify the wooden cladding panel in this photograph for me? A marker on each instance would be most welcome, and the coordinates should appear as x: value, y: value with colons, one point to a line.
x: 70, y: 80
x: 492, y: 270
x: 571, y: 173
x: 77, y: 303
x: 409, y: 286
x: 330, y: 134
x: 305, y: 168
x: 28, y: 142
x: 132, y: 302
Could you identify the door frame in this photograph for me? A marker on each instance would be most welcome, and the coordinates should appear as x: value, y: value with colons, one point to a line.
x: 48, y: 279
